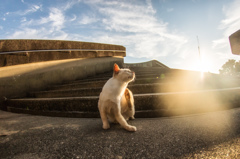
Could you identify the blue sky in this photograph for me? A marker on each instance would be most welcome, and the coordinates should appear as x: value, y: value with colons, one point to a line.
x: 165, y: 30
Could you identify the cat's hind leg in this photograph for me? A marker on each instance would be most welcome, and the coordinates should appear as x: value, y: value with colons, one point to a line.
x: 121, y: 120
x: 124, y: 123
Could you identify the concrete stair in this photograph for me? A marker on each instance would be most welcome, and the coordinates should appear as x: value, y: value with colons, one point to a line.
x: 157, y: 92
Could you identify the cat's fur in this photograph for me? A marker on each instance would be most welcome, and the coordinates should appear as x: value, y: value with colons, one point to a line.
x: 116, y: 102
x: 127, y: 105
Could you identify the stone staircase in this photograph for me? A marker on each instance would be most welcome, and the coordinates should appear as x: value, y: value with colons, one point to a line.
x: 157, y: 92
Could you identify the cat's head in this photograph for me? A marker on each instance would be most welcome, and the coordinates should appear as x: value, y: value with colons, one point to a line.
x: 124, y: 75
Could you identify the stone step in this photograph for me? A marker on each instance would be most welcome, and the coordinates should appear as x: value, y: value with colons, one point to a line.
x: 95, y: 84
x: 157, y: 92
x: 105, y: 78
x: 190, y: 101
x: 76, y: 89
x: 149, y: 69
x: 135, y: 88
x: 138, y: 72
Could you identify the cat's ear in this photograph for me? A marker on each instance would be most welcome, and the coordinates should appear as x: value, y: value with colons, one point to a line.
x: 116, y: 68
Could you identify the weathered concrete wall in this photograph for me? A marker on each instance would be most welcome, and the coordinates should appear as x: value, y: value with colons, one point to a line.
x: 16, y: 81
x: 30, y: 57
x: 235, y: 42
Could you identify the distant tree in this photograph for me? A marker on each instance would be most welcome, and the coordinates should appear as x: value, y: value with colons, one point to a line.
x: 231, y: 68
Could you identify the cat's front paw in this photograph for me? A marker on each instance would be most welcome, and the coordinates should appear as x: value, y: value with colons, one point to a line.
x: 131, y: 128
x: 106, y: 126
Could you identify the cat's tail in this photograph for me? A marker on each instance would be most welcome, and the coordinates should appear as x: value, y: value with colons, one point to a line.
x: 129, y: 98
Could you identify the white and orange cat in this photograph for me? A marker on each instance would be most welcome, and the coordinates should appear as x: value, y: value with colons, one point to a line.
x: 116, y: 102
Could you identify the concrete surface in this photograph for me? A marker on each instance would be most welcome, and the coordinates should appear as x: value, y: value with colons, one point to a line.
x: 210, y: 135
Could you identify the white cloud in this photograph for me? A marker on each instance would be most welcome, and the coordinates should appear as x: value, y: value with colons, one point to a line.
x: 228, y: 25
x: 85, y: 19
x: 32, y: 8
x: 27, y: 33
x: 129, y: 23
x: 57, y: 18
x: 41, y: 33
x: 73, y: 18
x: 134, y: 25
x: 54, y: 21
x: 5, y: 14
x: 49, y: 27
x: 24, y: 19
x: 70, y: 4
x: 220, y: 43
x: 1, y: 27
x: 231, y: 22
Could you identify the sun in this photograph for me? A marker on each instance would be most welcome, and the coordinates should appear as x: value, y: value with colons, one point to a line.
x: 204, y: 64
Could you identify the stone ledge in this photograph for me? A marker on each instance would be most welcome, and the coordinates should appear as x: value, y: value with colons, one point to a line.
x: 27, y: 54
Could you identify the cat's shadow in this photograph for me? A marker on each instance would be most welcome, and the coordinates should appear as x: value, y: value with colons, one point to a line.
x: 114, y: 128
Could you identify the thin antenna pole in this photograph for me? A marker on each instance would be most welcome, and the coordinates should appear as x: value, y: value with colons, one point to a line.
x: 199, y: 49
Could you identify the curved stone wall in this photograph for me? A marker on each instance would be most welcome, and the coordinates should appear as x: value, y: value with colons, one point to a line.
x: 13, y: 52
x: 27, y: 70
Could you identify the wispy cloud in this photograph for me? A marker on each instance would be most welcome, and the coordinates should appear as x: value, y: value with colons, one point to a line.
x: 85, y: 19
x: 23, y: 19
x: 74, y: 17
x: 31, y: 9
x: 229, y: 24
x: 46, y: 27
x: 43, y: 28
x: 129, y: 23
x: 69, y: 4
x: 55, y: 20
x: 134, y: 24
x: 40, y: 33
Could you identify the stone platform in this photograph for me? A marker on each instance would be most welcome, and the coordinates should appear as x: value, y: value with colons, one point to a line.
x: 209, y: 135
